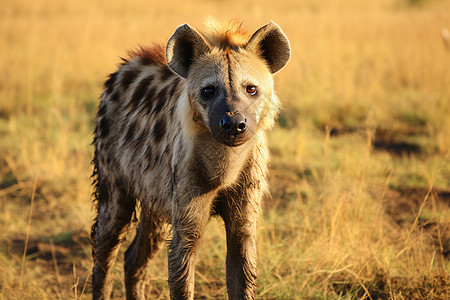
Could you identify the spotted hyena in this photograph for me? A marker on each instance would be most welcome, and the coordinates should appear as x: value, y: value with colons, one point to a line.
x: 181, y: 131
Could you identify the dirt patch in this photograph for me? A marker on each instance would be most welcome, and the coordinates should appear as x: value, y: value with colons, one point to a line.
x: 62, y: 262
x: 385, y: 287
x: 338, y: 131
x: 395, y: 142
x: 398, y: 148
x: 403, y: 206
x: 61, y: 247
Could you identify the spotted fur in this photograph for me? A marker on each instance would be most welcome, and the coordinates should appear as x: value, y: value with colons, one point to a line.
x: 179, y: 133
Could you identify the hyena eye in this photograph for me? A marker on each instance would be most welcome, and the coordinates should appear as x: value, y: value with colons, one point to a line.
x: 252, y: 90
x: 208, y: 91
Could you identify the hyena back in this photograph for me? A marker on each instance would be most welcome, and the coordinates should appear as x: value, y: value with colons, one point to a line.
x: 183, y: 133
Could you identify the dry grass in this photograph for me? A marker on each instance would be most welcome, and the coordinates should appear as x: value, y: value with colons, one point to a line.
x: 360, y: 205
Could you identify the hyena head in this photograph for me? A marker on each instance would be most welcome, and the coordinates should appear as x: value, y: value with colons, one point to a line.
x: 229, y: 78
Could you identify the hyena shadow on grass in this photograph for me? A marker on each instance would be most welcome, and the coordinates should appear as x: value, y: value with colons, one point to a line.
x: 182, y: 131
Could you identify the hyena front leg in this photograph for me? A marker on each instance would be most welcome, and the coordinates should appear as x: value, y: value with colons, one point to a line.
x: 115, y: 210
x: 240, y: 211
x: 189, y: 222
x: 150, y: 237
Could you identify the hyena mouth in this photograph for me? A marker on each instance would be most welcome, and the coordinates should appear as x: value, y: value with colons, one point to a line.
x: 232, y: 140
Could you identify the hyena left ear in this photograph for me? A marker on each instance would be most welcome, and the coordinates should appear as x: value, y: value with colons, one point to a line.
x: 271, y: 44
x: 183, y: 47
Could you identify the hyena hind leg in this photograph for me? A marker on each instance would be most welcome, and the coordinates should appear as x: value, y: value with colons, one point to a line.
x: 115, y: 210
x: 150, y: 237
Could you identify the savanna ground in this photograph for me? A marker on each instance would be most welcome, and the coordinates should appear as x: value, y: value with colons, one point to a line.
x: 360, y: 172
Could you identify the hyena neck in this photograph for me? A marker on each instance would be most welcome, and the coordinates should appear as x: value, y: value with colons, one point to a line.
x: 220, y: 164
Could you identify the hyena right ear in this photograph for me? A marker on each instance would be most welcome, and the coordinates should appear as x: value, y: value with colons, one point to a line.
x: 183, y: 47
x: 272, y: 45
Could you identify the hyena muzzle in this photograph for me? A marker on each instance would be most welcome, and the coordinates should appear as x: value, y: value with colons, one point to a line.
x: 181, y: 132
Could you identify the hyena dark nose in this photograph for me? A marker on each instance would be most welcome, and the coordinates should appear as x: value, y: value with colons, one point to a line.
x: 233, y: 123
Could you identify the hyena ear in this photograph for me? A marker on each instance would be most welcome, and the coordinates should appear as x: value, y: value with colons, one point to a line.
x: 183, y: 47
x: 271, y: 43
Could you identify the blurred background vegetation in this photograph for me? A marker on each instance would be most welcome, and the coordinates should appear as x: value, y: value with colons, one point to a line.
x: 360, y: 172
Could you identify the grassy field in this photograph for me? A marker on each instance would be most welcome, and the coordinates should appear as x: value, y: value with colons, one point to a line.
x: 360, y: 172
